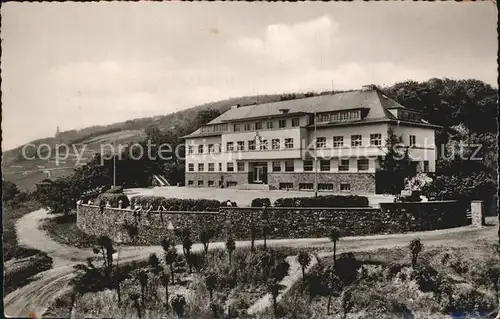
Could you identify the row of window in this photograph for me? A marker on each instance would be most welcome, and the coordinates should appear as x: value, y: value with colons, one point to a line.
x: 321, y: 142
x: 240, y: 167
x: 283, y: 123
x: 356, y: 140
x: 363, y: 164
x: 211, y: 183
x: 214, y: 128
x: 345, y: 187
x: 339, y: 116
x: 251, y: 145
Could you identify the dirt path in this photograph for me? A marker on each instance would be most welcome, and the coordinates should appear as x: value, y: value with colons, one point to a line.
x: 39, y: 294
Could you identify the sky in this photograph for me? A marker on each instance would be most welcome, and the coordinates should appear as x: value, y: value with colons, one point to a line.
x: 74, y: 65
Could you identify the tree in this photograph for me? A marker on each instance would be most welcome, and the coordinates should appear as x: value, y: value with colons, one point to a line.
x: 253, y: 236
x: 135, y: 299
x: 205, y: 116
x: 230, y: 247
x: 165, y: 280
x: 154, y: 264
x: 9, y: 190
x: 396, y: 165
x: 334, y: 236
x: 346, y: 302
x: 170, y: 257
x: 205, y: 236
x: 105, y: 247
x: 416, y: 247
x: 153, y: 133
x: 187, y: 242
x: 304, y: 260
x: 265, y: 263
x: 178, y: 303
x: 211, y: 282
x: 166, y: 243
x: 273, y: 287
x: 265, y: 231
x: 333, y: 284
x: 449, y: 102
x: 132, y: 231
x: 142, y: 277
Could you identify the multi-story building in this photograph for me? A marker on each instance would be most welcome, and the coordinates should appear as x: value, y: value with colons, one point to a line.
x: 335, y: 140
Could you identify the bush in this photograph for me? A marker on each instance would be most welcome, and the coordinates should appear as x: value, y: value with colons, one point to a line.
x: 114, y: 199
x: 260, y: 202
x: 115, y: 190
x: 427, y: 278
x: 176, y: 204
x: 323, y: 201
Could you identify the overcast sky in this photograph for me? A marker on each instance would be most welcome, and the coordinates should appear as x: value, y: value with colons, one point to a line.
x: 81, y: 64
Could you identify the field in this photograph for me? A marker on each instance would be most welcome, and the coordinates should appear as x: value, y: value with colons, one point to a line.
x: 242, y: 197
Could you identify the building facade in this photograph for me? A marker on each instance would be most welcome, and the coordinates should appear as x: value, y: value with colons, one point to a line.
x: 332, y: 142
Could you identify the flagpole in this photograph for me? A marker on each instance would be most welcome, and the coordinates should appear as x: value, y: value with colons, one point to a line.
x: 114, y: 163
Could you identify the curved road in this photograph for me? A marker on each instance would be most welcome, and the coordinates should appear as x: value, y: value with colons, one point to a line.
x: 38, y: 295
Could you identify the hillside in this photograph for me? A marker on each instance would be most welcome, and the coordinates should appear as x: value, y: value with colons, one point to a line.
x: 27, y: 172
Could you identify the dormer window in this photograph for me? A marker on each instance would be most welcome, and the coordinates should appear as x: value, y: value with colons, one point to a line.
x: 339, y: 116
x: 284, y: 111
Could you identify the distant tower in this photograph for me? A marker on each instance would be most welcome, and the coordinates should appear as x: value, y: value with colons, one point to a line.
x: 57, y: 132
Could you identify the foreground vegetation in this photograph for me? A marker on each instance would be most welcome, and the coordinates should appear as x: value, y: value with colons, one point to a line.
x: 400, y: 283
x: 192, y: 285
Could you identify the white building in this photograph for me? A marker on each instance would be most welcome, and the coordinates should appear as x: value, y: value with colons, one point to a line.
x: 274, y: 143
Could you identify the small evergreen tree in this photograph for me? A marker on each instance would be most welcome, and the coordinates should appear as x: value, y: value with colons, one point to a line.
x: 304, y: 260
x: 416, y: 247
x: 211, y: 282
x: 230, y: 247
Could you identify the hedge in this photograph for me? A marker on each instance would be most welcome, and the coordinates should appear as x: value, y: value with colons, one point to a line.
x: 115, y: 190
x: 114, y: 199
x: 223, y: 203
x: 260, y: 202
x: 176, y: 204
x: 323, y: 201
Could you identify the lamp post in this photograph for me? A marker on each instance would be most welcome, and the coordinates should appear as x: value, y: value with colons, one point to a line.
x: 315, y: 155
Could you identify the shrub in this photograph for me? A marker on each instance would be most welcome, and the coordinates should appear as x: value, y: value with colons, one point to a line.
x: 115, y: 190
x: 260, y: 202
x: 114, y: 199
x: 176, y: 204
x: 427, y: 278
x: 323, y: 201
x: 468, y: 300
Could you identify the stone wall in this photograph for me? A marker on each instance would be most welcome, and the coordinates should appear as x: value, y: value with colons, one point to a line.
x: 238, y: 177
x: 282, y: 222
x: 360, y: 182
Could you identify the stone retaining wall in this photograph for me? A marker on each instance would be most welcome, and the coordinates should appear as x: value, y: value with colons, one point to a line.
x: 282, y: 222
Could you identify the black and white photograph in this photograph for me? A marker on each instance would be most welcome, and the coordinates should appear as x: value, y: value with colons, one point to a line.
x: 217, y: 160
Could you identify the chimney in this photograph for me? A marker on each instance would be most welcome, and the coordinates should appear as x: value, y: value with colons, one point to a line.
x: 368, y: 87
